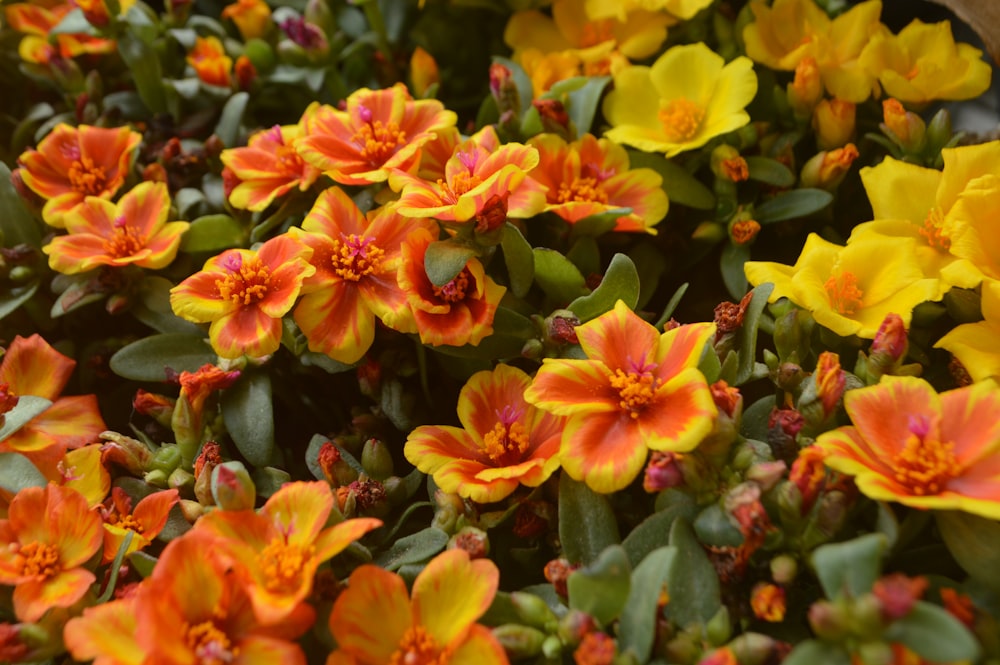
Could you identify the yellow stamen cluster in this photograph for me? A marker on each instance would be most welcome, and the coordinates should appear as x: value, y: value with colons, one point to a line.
x: 379, y: 142
x: 454, y: 291
x: 582, y: 189
x: 636, y: 390
x: 247, y: 285
x: 126, y: 522
x: 87, y: 177
x: 681, y: 119
x: 843, y: 293
x: 418, y: 648
x: 505, y: 444
x: 282, y: 564
x: 355, y: 257
x: 925, y: 465
x: 125, y: 241
x: 38, y: 560
x: 210, y: 645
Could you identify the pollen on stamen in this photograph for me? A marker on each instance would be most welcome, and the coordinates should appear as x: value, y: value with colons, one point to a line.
x: 681, y: 119
x: 843, y: 293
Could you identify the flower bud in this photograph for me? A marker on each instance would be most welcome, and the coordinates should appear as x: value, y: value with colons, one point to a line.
x: 784, y: 568
x: 232, y: 487
x: 898, y: 593
x: 728, y: 164
x: 335, y: 468
x: 596, y: 648
x: 805, y: 91
x: 156, y: 478
x: 939, y: 130
x: 165, y: 459
x: 662, y: 472
x: 472, y: 540
x: 766, y: 474
x: 504, y: 90
x: 128, y: 453
x: 865, y: 617
x: 376, y: 459
x: 808, y: 475
x: 905, y: 129
x: 424, y: 75
x: 828, y: 620
x: 754, y: 648
x: 833, y: 122
x: 768, y: 602
x: 743, y: 231
x: 158, y: 407
x: 557, y: 572
x: 191, y: 510
x: 560, y: 327
x: 719, y: 628
x: 181, y: 480
x: 519, y: 641
x: 449, y: 508
x: 888, y: 349
x: 784, y: 426
x: 533, y: 611
x: 826, y: 170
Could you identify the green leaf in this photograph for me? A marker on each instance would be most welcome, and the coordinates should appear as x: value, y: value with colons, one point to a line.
x: 714, y: 529
x: 522, y: 82
x: 228, y: 128
x: 748, y: 333
x: 681, y: 187
x: 519, y: 260
x: 147, y: 359
x: 28, y: 406
x: 17, y: 472
x: 650, y: 264
x: 115, y: 568
x: 74, y: 23
x: 17, y: 296
x: 974, y: 542
x: 851, y: 566
x: 582, y: 102
x: 142, y: 61
x: 770, y: 171
x: 587, y: 524
x: 142, y: 563
x: 637, y: 624
x: 602, y: 588
x: 415, y: 548
x: 755, y: 418
x: 811, y: 652
x: 731, y: 262
x: 585, y: 254
x: 654, y: 531
x: 621, y: 282
x: 693, y: 583
x: 248, y: 414
x: 710, y: 365
x: 674, y: 301
x: 16, y: 223
x: 212, y: 233
x: 152, y: 307
x: 793, y: 204
x: 445, y: 259
x: 558, y: 277
x: 934, y: 634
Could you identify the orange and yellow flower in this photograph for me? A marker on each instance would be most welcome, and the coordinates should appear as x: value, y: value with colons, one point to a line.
x: 375, y: 621
x: 503, y: 441
x: 457, y: 313
x: 977, y: 345
x: 144, y: 522
x: 479, y: 172
x: 381, y: 130
x: 210, y: 63
x: 268, y: 167
x: 72, y: 163
x: 278, y: 549
x: 36, y: 20
x: 638, y: 390
x: 251, y: 17
x: 926, y: 450
x: 105, y: 634
x: 687, y: 97
x: 244, y: 293
x: 32, y: 367
x: 49, y: 533
x: 356, y: 261
x: 591, y: 176
x: 133, y: 231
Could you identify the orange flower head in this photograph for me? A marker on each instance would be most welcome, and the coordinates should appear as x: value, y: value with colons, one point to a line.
x: 278, y: 549
x: 478, y: 172
x: 36, y: 21
x: 380, y: 131
x: 133, y: 231
x: 808, y: 474
x: 32, y: 367
x: 105, y: 633
x: 806, y: 90
x: 457, y: 313
x: 929, y: 451
x: 145, y: 521
x: 768, y: 602
x: 830, y: 381
x: 49, y: 533
x: 503, y: 441
x: 827, y: 169
x: 834, y: 122
x: 591, y: 176
x: 436, y: 624
x: 268, y: 167
x: 251, y: 17
x: 596, y: 648
x: 209, y: 60
x: 243, y: 294
x: 637, y: 390
x: 356, y: 259
x: 72, y: 163
x: 744, y: 231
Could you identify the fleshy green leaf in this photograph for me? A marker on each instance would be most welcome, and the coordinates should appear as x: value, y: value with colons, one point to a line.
x: 770, y: 171
x: 654, y: 531
x: 142, y: 61
x: 228, y: 128
x: 637, y: 624
x: 748, y: 333
x: 693, y: 583
x: 445, y: 259
x: 16, y: 223
x: 934, y: 634
x: 793, y: 204
x: 213, y: 233
x: 650, y: 264
x: 558, y: 277
x: 28, y: 406
x: 975, y: 543
x: 681, y: 187
x: 621, y: 282
x: 415, y: 548
x: 582, y: 102
x: 248, y: 413
x: 519, y: 260
x: 17, y: 472
x: 714, y: 528
x: 147, y: 359
x: 851, y: 566
x: 152, y: 307
x: 602, y: 588
x: 812, y: 652
x: 731, y: 261
x: 142, y: 563
x: 587, y: 524
x: 13, y: 298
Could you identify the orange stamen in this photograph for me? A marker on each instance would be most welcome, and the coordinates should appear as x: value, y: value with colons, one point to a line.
x: 582, y: 189
x: 635, y: 389
x: 681, y: 119
x: 925, y: 464
x: 418, y: 648
x: 211, y: 646
x: 933, y: 231
x: 378, y: 142
x: 454, y: 291
x: 247, y: 284
x: 505, y: 444
x: 86, y: 177
x: 125, y: 241
x: 843, y: 292
x: 38, y: 560
x: 282, y: 564
x: 355, y: 257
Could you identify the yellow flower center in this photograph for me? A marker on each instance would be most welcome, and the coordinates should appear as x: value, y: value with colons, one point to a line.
x: 247, y: 282
x: 418, y: 648
x: 378, y: 142
x: 288, y: 159
x: 282, y: 563
x: 636, y: 390
x: 925, y: 464
x: 126, y: 522
x: 596, y: 32
x: 933, y: 232
x: 38, y: 560
x: 681, y: 119
x: 582, y: 189
x: 454, y: 291
x: 506, y: 443
x: 87, y: 177
x: 843, y: 292
x: 124, y: 241
x: 356, y: 256
x: 211, y: 646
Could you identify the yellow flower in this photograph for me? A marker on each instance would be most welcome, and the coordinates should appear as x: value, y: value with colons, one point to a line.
x: 850, y: 290
x: 923, y: 63
x: 971, y: 225
x: 682, y: 9
x: 688, y: 96
x: 252, y: 17
x: 977, y: 345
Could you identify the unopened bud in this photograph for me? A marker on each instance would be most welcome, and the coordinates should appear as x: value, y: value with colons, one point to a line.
x: 766, y: 474
x: 519, y: 641
x: 166, y: 459
x: 449, y: 508
x: 828, y: 620
x: 335, y: 468
x: 662, y: 472
x: 768, y: 602
x: 728, y: 164
x: 826, y: 170
x: 128, y: 453
x: 472, y: 540
x: 939, y: 129
x: 181, y: 480
x: 533, y: 611
x: 191, y: 510
x: 833, y: 122
x: 904, y: 128
x: 805, y: 91
x: 575, y: 625
x: 784, y: 568
x: 753, y: 648
x: 376, y: 459
x: 719, y: 628
x: 232, y: 487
